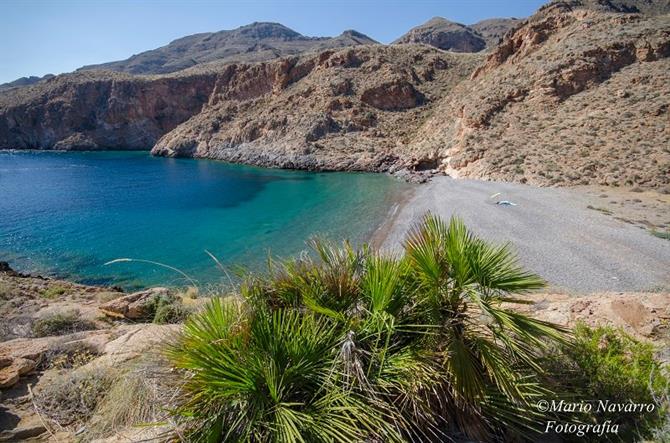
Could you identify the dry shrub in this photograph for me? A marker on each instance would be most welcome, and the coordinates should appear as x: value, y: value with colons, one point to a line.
x: 141, y: 396
x: 72, y: 397
x: 61, y: 323
x: 69, y: 356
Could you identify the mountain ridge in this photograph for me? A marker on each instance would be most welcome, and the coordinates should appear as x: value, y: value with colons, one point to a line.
x: 258, y: 41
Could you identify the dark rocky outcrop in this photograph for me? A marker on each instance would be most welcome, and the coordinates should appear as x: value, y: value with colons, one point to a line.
x: 395, y: 95
x: 24, y: 81
x: 444, y: 34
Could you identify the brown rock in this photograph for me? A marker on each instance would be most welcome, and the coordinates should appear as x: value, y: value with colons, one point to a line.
x: 24, y: 365
x: 9, y: 376
x: 393, y: 96
x: 5, y: 361
x: 134, y: 306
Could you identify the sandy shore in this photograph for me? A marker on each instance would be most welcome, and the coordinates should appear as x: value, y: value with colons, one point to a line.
x: 555, y: 234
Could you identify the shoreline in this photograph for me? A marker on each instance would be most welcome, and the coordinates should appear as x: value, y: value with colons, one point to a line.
x: 556, y: 233
x: 382, y: 232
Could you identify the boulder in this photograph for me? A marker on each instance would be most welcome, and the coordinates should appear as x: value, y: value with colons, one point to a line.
x: 10, y: 374
x: 135, y: 306
x: 8, y: 377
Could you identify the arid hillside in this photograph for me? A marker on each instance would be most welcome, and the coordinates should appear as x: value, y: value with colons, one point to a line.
x: 574, y: 96
x: 348, y: 109
x: 353, y: 109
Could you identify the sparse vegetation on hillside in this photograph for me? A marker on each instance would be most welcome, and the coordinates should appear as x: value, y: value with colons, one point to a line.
x: 60, y: 323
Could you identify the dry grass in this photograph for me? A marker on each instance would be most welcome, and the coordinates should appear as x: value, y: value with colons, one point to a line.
x: 61, y: 323
x: 71, y: 398
x: 104, y: 297
x: 5, y: 290
x: 141, y: 396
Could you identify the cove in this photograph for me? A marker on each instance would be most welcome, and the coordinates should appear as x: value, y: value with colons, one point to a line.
x: 66, y: 214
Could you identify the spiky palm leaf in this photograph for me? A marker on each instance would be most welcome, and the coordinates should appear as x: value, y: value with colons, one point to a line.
x: 349, y: 345
x: 486, y: 350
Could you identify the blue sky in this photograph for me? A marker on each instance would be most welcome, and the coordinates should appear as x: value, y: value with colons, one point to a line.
x: 51, y: 36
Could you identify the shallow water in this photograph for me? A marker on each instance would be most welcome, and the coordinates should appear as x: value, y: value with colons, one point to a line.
x: 67, y: 214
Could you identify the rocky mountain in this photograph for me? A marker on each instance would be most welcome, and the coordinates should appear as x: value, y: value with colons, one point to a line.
x: 493, y: 30
x: 352, y: 108
x: 445, y: 34
x: 254, y: 42
x: 578, y: 93
x: 24, y: 81
x: 451, y: 36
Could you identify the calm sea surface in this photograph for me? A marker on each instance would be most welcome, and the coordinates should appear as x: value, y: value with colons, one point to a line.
x: 67, y: 214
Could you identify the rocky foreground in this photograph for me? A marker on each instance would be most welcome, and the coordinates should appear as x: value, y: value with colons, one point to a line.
x: 58, y: 336
x: 578, y: 93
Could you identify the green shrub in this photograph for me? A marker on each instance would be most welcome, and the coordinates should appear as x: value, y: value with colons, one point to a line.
x: 171, y: 312
x: 61, y: 323
x: 54, y: 292
x: 605, y: 363
x: 168, y: 309
x: 665, y: 235
x: 354, y: 346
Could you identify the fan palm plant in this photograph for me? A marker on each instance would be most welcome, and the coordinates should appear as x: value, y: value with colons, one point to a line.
x: 264, y: 376
x: 347, y: 345
x: 486, y: 352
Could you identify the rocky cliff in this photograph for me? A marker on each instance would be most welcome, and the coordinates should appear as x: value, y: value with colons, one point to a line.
x: 99, y: 110
x: 352, y: 109
x: 574, y: 96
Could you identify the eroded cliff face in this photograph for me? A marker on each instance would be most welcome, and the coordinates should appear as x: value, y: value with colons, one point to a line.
x: 99, y: 111
x: 574, y: 96
x: 352, y: 109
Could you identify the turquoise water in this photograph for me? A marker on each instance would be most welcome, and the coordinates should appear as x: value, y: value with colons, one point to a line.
x: 67, y: 214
